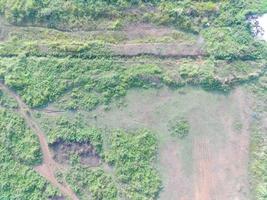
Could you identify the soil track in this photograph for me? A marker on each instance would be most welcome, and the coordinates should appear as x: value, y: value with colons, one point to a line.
x: 159, y: 49
x: 49, y: 166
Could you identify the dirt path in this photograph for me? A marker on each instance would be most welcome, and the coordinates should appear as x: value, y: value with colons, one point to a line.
x: 159, y: 49
x: 49, y: 166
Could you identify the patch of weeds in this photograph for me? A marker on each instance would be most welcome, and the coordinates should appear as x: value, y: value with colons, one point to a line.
x: 179, y: 128
x: 95, y: 183
x: 6, y: 101
x: 258, y: 166
x: 73, y: 130
x: 19, y: 152
x: 132, y: 155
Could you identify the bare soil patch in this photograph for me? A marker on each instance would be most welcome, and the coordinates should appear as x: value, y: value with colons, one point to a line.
x: 159, y: 49
x: 87, y: 154
x: 144, y: 30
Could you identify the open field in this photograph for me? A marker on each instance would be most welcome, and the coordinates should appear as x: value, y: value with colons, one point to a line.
x: 212, y: 161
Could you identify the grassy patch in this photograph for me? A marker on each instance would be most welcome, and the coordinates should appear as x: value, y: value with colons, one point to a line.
x: 132, y: 155
x: 179, y: 128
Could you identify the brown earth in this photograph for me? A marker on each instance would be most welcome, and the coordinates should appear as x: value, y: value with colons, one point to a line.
x: 87, y: 154
x: 158, y: 49
x: 49, y: 167
x: 144, y: 30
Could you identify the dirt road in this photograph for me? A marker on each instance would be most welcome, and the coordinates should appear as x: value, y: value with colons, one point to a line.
x: 49, y: 166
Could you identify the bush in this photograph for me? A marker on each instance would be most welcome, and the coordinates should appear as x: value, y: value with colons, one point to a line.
x: 19, y: 152
x: 179, y: 128
x: 132, y: 155
x: 97, y: 183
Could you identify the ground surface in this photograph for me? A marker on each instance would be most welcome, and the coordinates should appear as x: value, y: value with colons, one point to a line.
x: 212, y: 162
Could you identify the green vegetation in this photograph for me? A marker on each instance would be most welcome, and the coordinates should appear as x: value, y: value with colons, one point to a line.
x: 89, y: 82
x: 59, y: 13
x: 258, y: 164
x: 6, y: 101
x: 132, y: 155
x: 19, y: 152
x: 72, y: 130
x: 95, y: 183
x: 21, y: 143
x: 179, y: 128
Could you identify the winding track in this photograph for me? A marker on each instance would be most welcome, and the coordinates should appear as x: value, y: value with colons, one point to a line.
x: 48, y: 168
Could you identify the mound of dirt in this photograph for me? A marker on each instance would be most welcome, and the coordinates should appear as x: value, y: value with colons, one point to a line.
x: 62, y: 152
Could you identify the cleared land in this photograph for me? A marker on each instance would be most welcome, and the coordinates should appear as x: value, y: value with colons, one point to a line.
x: 212, y: 161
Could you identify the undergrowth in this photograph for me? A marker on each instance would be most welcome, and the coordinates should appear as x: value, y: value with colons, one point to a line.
x: 19, y: 152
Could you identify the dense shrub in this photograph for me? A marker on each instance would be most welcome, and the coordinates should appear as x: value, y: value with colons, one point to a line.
x: 179, y: 127
x: 19, y: 140
x: 19, y: 151
x: 132, y: 155
x: 95, y: 183
x: 7, y: 101
x: 74, y: 131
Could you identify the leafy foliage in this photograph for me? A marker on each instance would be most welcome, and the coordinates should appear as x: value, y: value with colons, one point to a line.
x: 21, y: 143
x: 132, y: 155
x: 94, y: 81
x: 19, y: 151
x: 6, y: 101
x: 258, y: 147
x: 96, y: 183
x: 179, y: 128
x: 74, y: 131
x: 77, y: 74
x: 233, y: 43
x: 229, y: 35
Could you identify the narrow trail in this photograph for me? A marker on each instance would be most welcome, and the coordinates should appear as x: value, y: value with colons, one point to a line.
x: 48, y: 168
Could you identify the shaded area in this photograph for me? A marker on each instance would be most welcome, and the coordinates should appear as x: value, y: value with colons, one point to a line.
x: 63, y: 151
